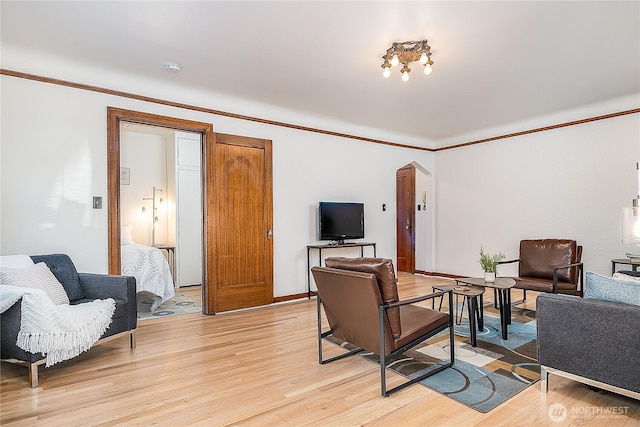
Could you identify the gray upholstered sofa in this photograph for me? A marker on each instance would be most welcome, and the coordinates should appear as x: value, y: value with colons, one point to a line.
x: 80, y: 287
x: 592, y: 341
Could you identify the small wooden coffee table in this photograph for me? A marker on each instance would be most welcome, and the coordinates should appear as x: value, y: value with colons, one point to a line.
x: 472, y: 295
x: 503, y: 285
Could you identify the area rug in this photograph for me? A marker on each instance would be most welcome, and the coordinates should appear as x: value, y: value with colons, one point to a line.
x: 176, y: 306
x: 482, y: 377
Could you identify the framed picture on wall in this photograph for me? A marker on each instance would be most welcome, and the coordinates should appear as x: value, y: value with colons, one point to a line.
x: 125, y: 176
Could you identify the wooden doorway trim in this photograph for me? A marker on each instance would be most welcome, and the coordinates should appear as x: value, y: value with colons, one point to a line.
x: 114, y: 117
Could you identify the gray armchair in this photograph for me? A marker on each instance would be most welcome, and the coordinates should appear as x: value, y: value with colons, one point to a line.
x: 591, y: 341
x: 80, y: 287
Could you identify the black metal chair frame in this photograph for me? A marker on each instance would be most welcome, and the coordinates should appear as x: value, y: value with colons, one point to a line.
x: 384, y: 359
x: 580, y: 266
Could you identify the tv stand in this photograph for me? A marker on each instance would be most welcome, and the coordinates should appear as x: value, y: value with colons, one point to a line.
x: 332, y: 245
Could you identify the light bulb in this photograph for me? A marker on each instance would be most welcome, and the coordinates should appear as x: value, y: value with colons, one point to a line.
x: 386, y: 72
x: 424, y: 58
x: 405, y: 76
x: 428, y: 69
x: 395, y: 60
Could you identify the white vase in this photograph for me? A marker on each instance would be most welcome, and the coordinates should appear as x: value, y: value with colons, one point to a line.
x: 489, y: 277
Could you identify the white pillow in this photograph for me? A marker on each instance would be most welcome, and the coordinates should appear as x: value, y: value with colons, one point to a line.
x: 37, y: 276
x: 126, y: 238
x: 622, y: 276
x: 15, y: 261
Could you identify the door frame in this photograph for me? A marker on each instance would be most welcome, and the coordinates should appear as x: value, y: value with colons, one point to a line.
x: 114, y: 117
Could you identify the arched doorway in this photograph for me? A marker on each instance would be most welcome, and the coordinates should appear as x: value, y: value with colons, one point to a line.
x: 414, y: 219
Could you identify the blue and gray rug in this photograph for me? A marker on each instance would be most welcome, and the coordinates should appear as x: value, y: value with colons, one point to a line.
x: 176, y: 306
x: 482, y: 377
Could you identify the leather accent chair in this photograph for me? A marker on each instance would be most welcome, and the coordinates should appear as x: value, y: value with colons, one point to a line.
x: 549, y: 265
x: 360, y: 300
x: 80, y: 287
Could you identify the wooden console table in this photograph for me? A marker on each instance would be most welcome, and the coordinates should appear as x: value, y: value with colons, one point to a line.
x: 320, y: 248
x: 633, y: 262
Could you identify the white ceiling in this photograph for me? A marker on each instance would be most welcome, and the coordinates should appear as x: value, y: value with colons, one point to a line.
x: 494, y: 62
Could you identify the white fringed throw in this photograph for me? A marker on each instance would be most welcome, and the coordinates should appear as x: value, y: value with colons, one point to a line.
x: 60, y: 332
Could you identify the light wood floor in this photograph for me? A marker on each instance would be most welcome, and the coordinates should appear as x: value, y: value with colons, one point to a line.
x: 259, y: 368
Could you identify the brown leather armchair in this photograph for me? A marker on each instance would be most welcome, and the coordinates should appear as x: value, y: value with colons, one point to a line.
x: 360, y: 300
x: 549, y: 265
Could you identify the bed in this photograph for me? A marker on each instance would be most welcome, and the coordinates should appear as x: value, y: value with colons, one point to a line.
x: 150, y: 268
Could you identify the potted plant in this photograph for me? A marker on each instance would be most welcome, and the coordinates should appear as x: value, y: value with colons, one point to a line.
x: 489, y: 264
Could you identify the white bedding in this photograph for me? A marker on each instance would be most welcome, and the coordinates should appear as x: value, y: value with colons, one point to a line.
x: 151, y: 270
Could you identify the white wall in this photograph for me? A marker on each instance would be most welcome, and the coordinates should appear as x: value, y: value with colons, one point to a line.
x: 569, y: 182
x: 54, y: 161
x: 146, y: 157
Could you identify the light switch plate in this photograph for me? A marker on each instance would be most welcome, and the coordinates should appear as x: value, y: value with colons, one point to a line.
x: 97, y: 202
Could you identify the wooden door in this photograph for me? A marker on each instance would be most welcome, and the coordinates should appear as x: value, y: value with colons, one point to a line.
x: 405, y: 218
x: 241, y: 273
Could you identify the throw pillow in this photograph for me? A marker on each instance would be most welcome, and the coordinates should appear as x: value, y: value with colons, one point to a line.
x: 609, y: 289
x: 15, y: 261
x: 37, y: 276
x: 126, y: 238
x: 622, y: 276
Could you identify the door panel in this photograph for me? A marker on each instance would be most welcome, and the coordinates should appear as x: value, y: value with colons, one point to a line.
x: 405, y: 218
x: 243, y: 264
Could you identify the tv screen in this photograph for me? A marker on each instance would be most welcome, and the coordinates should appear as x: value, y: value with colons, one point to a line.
x: 339, y: 221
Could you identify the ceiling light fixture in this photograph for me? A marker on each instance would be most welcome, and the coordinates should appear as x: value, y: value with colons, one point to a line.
x: 405, y: 53
x: 173, y: 67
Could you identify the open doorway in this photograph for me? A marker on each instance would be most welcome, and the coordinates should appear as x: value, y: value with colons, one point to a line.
x: 155, y: 233
x: 236, y: 211
x: 161, y: 198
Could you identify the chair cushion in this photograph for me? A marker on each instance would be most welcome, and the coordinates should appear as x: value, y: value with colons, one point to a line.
x: 350, y: 300
x: 62, y: 267
x: 37, y: 276
x: 417, y: 322
x: 611, y: 289
x: 538, y: 257
x: 542, y: 285
x: 382, y: 268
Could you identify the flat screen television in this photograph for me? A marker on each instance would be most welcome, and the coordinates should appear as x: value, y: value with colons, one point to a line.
x: 340, y: 220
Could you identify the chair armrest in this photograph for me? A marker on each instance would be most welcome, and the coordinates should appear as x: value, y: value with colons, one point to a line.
x: 102, y: 286
x: 11, y: 323
x: 575, y: 264
x: 580, y: 266
x: 415, y: 300
x: 590, y: 338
